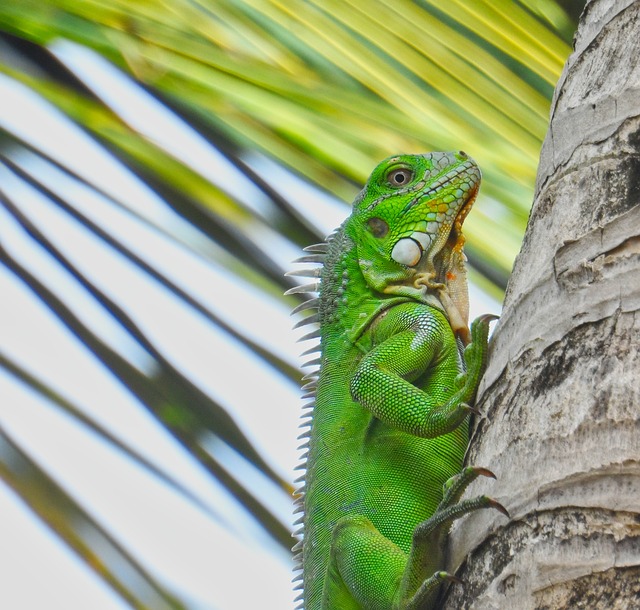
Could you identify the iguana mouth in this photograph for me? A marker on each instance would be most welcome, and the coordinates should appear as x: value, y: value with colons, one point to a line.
x: 456, y: 239
x: 464, y: 211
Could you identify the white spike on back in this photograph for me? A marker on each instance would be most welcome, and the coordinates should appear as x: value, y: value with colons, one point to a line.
x: 310, y: 380
x: 310, y: 304
x: 314, y: 334
x: 321, y: 247
x: 305, y: 272
x: 308, y: 320
x: 310, y: 258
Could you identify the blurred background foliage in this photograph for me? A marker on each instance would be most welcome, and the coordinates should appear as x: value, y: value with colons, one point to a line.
x: 201, y: 144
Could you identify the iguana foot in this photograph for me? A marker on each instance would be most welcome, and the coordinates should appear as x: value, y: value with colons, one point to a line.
x: 455, y: 410
x: 429, y: 589
x: 475, y: 358
x: 451, y: 508
x: 433, y: 531
x: 458, y: 483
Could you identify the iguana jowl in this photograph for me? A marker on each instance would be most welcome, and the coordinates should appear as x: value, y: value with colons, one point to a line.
x: 398, y: 371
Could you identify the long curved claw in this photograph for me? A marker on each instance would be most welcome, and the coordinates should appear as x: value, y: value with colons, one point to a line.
x: 451, y: 578
x: 428, y: 590
x: 470, y: 409
x: 484, y: 472
x: 495, y: 504
x: 480, y: 328
x: 487, y: 318
x: 456, y: 486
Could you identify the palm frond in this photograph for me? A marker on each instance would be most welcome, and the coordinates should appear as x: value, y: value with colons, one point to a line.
x: 54, y: 506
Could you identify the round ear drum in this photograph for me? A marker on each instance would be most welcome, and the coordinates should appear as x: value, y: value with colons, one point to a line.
x: 407, y: 252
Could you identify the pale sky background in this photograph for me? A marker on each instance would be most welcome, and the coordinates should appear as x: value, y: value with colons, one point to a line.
x: 160, y: 527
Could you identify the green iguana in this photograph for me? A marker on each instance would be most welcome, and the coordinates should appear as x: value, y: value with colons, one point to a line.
x: 398, y: 371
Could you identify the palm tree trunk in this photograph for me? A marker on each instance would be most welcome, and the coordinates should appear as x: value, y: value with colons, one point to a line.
x: 561, y: 397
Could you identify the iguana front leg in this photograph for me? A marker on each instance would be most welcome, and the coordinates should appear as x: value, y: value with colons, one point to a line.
x: 417, y: 342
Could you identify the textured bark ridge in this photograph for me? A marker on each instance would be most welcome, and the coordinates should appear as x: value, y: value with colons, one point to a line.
x: 561, y: 397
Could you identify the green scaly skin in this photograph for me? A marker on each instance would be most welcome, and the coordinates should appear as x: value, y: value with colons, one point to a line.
x: 390, y: 420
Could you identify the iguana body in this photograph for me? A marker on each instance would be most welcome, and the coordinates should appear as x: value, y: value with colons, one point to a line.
x: 390, y: 418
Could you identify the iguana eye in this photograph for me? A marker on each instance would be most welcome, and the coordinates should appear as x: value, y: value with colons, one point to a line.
x: 399, y: 176
x: 407, y: 252
x: 378, y: 227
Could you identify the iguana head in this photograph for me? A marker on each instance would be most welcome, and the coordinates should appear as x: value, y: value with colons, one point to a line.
x: 407, y: 224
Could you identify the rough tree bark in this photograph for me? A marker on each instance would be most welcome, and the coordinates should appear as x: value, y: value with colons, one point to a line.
x: 561, y: 397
